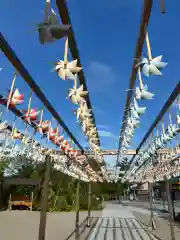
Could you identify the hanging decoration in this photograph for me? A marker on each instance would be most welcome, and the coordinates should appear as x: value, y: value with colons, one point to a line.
x: 50, y: 29
x: 151, y: 66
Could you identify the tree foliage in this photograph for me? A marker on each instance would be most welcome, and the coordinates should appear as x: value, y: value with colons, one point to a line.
x: 62, y: 188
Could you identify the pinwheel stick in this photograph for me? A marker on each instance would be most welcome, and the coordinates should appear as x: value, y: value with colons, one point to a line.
x: 29, y: 103
x: 46, y: 11
x: 49, y: 130
x: 178, y: 103
x: 163, y: 128
x: 157, y: 131
x: 11, y: 90
x: 57, y: 131
x: 140, y: 79
x: 13, y: 128
x: 29, y: 110
x: 162, y: 6
x: 75, y: 81
x: 170, y: 118
x: 66, y: 52
x: 41, y: 118
x: 148, y: 46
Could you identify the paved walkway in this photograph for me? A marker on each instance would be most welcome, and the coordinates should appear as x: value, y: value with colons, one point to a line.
x: 118, y: 223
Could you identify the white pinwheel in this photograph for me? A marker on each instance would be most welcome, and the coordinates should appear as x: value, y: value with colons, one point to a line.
x: 139, y: 110
x: 142, y: 93
x: 87, y: 124
x: 178, y: 119
x: 67, y: 70
x: 172, y: 130
x: 3, y: 126
x: 135, y: 122
x: 83, y: 112
x: 151, y: 66
x: 133, y: 112
x: 77, y: 95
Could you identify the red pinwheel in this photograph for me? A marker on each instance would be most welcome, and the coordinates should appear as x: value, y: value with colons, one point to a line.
x: 31, y: 115
x: 14, y: 99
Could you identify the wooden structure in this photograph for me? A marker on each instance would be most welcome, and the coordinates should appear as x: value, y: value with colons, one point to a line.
x: 14, y: 200
x: 22, y: 201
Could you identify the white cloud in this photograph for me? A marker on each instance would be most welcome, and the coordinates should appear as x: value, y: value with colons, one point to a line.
x: 99, y: 75
x: 103, y: 127
x: 97, y: 110
x: 104, y: 133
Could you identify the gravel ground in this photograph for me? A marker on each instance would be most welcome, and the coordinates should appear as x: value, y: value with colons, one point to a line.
x: 24, y: 225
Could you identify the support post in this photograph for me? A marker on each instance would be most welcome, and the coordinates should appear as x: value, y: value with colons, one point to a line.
x: 77, y: 210
x: 44, y: 200
x: 89, y: 205
x: 118, y: 192
x: 10, y: 204
x: 170, y: 209
x: 32, y: 199
x: 124, y: 194
x: 152, y: 221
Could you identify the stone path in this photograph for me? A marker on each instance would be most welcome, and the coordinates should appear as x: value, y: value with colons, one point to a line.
x: 118, y: 223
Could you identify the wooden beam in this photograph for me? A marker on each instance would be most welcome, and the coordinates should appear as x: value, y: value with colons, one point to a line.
x: 18, y: 65
x: 138, y: 51
x: 65, y: 17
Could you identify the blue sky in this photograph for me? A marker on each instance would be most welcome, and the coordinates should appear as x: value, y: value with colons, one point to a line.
x: 106, y: 33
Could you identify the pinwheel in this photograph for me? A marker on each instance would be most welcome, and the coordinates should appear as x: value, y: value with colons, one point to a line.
x: 67, y: 70
x: 87, y: 125
x: 139, y: 110
x: 81, y: 159
x: 32, y: 115
x: 134, y: 122
x: 16, y: 134
x: 15, y: 99
x: 43, y: 127
x: 142, y: 93
x: 151, y: 66
x: 52, y: 133
x: 59, y: 139
x: 63, y: 145
x: 172, y: 130
x: 77, y: 95
x: 50, y: 29
x: 93, y: 131
x: 178, y: 119
x: 36, y: 144
x: 133, y: 112
x: 83, y: 112
x: 129, y: 132
x: 26, y: 140
x: 3, y: 126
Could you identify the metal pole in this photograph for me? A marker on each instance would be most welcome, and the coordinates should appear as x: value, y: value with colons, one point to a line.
x: 152, y: 222
x: 77, y: 210
x: 170, y: 209
x: 89, y: 205
x: 118, y: 185
x: 44, y: 200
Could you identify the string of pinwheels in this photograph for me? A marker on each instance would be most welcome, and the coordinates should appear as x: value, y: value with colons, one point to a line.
x: 36, y: 151
x: 147, y: 66
x: 45, y: 128
x: 69, y: 71
x: 51, y: 30
x: 169, y: 166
